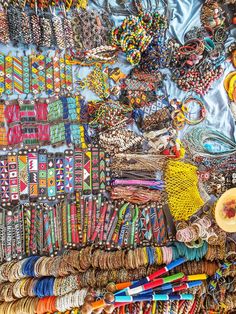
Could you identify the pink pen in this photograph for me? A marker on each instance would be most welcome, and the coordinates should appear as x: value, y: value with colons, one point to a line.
x: 93, y: 224
x: 98, y: 226
x: 90, y: 208
x: 103, y: 223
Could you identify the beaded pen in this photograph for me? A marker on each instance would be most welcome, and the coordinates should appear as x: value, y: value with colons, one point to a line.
x: 54, y: 218
x: 16, y: 220
x: 103, y: 215
x: 2, y: 234
x: 9, y: 233
x: 153, y: 297
x: 106, y: 224
x: 33, y: 247
x: 93, y: 224
x: 123, y: 227
x: 74, y: 225
x: 154, y: 222
x: 79, y: 215
x: 99, y: 204
x: 121, y: 214
x: 114, y: 214
x: 40, y: 231
x: 90, y: 209
x: 85, y: 224
x: 68, y: 222
x: 112, y: 228
x: 133, y: 223
x: 82, y: 202
x: 153, y: 284
x: 37, y: 235
x: 99, y: 224
x: 161, y: 221
x: 64, y: 224
x: 170, y: 287
x: 58, y: 211
x: 158, y: 273
x: 47, y: 234
x: 52, y: 223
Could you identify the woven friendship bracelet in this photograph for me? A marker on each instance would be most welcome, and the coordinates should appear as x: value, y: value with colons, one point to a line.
x: 33, y: 174
x: 60, y: 172
x: 4, y: 180
x: 2, y: 71
x: 51, y: 177
x: 23, y: 174
x: 18, y: 75
x: 13, y: 176
x: 43, y: 162
x: 8, y: 75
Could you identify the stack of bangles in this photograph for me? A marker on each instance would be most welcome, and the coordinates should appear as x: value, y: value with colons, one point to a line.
x: 118, y: 294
